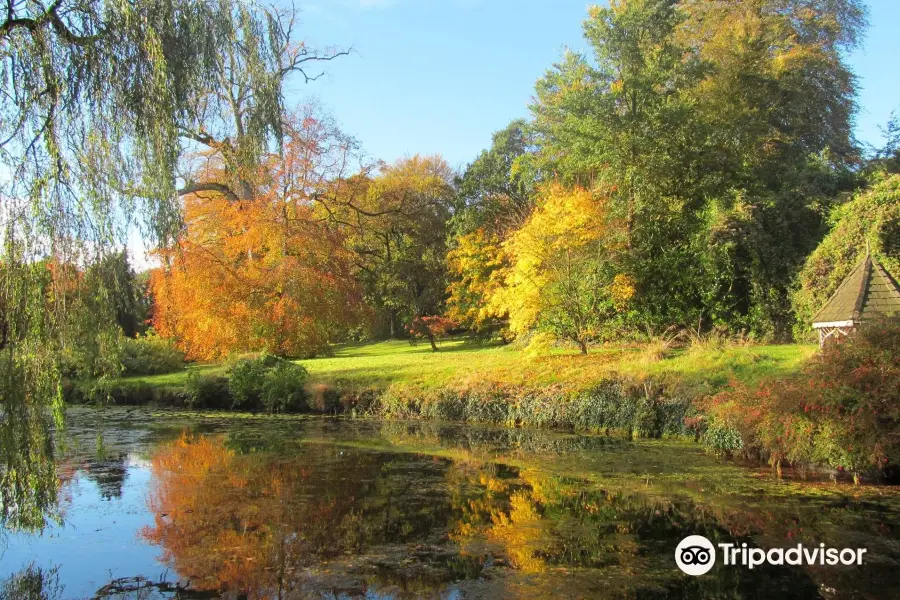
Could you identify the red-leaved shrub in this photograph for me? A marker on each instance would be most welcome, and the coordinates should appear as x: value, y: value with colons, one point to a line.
x: 841, y: 410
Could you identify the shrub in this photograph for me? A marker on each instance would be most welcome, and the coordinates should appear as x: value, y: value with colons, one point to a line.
x: 842, y: 410
x: 267, y: 382
x: 721, y: 438
x: 207, y: 391
x: 245, y: 382
x: 636, y: 410
x: 282, y: 388
x: 150, y: 355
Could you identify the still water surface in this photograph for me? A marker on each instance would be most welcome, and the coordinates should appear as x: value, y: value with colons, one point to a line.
x: 168, y: 504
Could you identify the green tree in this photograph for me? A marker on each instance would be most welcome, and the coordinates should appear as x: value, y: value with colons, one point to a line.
x: 621, y: 125
x: 496, y: 191
x: 398, y: 229
x: 777, y: 103
x: 720, y: 131
x: 126, y: 292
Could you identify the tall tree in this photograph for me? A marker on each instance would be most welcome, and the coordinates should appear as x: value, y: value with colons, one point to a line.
x: 718, y: 130
x: 268, y: 272
x: 398, y: 229
x: 612, y: 122
x: 621, y: 126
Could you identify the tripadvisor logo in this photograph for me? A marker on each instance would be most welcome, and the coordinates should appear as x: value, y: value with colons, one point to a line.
x: 696, y: 555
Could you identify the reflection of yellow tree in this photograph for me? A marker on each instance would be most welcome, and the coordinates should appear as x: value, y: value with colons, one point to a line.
x: 539, y: 523
x: 229, y: 521
x: 521, y: 532
x: 501, y: 511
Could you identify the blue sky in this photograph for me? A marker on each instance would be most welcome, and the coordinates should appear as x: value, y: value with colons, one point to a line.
x: 439, y: 76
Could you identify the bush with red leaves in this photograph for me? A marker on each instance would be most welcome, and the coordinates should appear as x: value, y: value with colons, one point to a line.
x: 841, y: 410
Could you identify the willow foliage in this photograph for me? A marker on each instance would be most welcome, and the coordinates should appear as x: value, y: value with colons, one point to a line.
x: 96, y: 97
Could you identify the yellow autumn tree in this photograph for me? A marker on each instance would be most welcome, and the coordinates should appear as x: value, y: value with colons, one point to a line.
x: 477, y: 266
x: 561, y: 278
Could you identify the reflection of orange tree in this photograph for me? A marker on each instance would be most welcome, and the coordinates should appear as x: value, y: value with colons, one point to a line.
x: 253, y: 523
x: 236, y: 522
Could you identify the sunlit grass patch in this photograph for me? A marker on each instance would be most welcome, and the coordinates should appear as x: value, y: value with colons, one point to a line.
x: 377, y: 366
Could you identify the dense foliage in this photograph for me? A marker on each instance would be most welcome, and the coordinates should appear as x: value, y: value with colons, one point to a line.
x: 267, y: 382
x: 868, y: 222
x: 841, y: 410
x: 150, y: 355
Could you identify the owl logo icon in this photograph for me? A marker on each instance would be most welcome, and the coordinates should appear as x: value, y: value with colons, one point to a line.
x: 695, y: 555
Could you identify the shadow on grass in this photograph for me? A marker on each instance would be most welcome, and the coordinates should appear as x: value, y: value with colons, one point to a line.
x: 402, y: 347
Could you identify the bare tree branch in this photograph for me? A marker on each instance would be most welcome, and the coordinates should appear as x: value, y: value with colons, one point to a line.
x: 193, y: 188
x: 32, y: 24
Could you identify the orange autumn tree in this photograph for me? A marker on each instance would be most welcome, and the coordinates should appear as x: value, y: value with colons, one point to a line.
x: 266, y: 272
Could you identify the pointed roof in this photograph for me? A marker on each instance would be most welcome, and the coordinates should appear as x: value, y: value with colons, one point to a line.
x: 867, y: 291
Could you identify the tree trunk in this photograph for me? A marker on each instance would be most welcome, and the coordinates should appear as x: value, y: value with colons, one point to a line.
x: 434, y: 347
x: 583, y: 345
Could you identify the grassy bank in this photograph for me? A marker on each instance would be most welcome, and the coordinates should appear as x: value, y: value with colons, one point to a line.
x: 617, y: 387
x: 379, y: 366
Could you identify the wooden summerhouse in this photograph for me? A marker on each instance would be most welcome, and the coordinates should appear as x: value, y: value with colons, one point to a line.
x: 868, y: 291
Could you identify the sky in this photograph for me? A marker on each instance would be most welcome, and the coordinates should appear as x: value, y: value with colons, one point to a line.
x: 439, y: 76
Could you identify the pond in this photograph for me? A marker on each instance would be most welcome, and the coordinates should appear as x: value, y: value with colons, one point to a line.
x: 188, y: 505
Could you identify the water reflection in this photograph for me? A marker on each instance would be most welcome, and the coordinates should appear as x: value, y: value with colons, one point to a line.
x: 265, y: 524
x: 109, y: 474
x: 28, y: 478
x: 32, y: 582
x: 336, y: 509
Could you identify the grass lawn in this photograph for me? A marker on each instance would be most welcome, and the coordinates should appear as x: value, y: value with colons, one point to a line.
x: 379, y: 365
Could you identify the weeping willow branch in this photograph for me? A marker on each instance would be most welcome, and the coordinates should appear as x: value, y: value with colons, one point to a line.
x: 97, y: 102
